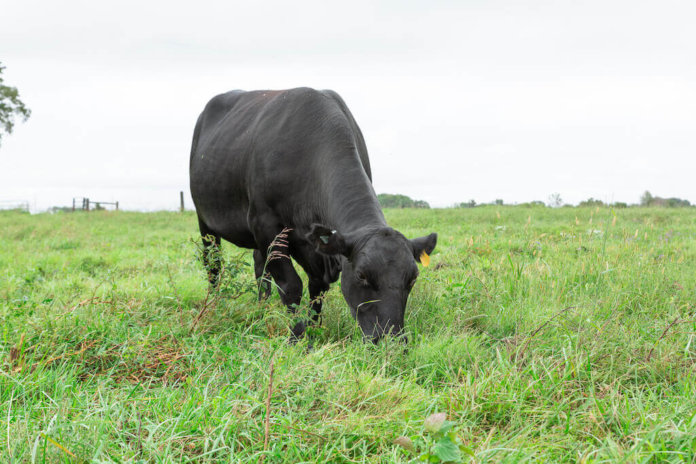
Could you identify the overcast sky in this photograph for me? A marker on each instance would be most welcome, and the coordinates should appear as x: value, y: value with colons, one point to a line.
x: 457, y: 100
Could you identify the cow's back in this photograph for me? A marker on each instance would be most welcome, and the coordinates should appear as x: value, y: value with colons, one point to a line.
x: 267, y: 152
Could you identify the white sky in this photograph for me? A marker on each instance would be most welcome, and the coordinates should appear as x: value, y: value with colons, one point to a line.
x: 457, y: 100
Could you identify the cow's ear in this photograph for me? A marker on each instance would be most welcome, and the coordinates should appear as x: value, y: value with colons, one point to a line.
x: 327, y: 241
x: 422, y: 247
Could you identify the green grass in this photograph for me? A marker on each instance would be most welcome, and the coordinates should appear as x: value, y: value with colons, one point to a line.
x: 544, y: 334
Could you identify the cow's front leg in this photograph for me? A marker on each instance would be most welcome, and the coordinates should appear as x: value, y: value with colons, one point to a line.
x: 278, y: 264
x: 317, y: 288
x: 290, y: 290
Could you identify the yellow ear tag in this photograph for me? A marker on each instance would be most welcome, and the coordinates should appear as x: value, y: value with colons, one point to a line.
x: 425, y: 259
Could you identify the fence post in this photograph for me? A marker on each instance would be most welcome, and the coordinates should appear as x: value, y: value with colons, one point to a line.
x: 87, y: 203
x: 181, y: 198
x: 117, y: 206
x: 73, y: 205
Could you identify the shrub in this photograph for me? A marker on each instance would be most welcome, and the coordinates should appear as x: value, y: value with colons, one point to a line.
x: 388, y: 200
x: 591, y: 202
x: 469, y: 204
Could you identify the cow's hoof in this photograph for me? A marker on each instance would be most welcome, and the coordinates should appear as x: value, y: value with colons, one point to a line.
x: 264, y: 290
x: 298, y: 331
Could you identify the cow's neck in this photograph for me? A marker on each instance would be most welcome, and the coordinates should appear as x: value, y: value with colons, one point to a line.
x: 352, y: 203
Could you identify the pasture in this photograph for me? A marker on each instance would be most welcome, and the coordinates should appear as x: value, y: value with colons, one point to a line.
x: 556, y: 335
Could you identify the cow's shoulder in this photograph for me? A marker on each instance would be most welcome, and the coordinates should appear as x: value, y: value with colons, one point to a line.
x: 359, y: 139
x: 306, y: 98
x: 333, y: 95
x: 222, y: 103
x: 304, y: 93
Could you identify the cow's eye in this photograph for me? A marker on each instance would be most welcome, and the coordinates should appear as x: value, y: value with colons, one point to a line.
x: 362, y: 278
x: 364, y: 281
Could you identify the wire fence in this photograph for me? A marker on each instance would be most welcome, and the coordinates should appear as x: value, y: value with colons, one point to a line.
x: 78, y: 204
x: 85, y: 204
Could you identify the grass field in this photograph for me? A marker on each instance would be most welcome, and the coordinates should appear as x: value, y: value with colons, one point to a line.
x: 553, y: 335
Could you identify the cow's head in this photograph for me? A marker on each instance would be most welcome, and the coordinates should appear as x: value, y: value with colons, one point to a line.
x: 378, y: 273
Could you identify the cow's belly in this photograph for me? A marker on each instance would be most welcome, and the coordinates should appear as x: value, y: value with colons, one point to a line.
x: 224, y: 213
x: 235, y: 230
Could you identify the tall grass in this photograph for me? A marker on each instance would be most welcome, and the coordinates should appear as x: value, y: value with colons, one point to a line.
x: 555, y: 335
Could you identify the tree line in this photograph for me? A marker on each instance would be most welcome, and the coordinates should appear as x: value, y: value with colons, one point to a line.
x: 389, y: 200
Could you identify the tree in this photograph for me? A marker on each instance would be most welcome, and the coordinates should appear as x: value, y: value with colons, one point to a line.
x: 555, y: 200
x: 10, y: 106
x: 646, y: 199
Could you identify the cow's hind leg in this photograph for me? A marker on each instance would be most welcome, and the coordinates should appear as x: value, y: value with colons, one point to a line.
x: 212, y: 258
x: 263, y: 277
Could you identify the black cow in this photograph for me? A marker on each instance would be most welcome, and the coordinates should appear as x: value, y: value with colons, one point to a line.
x: 264, y: 162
